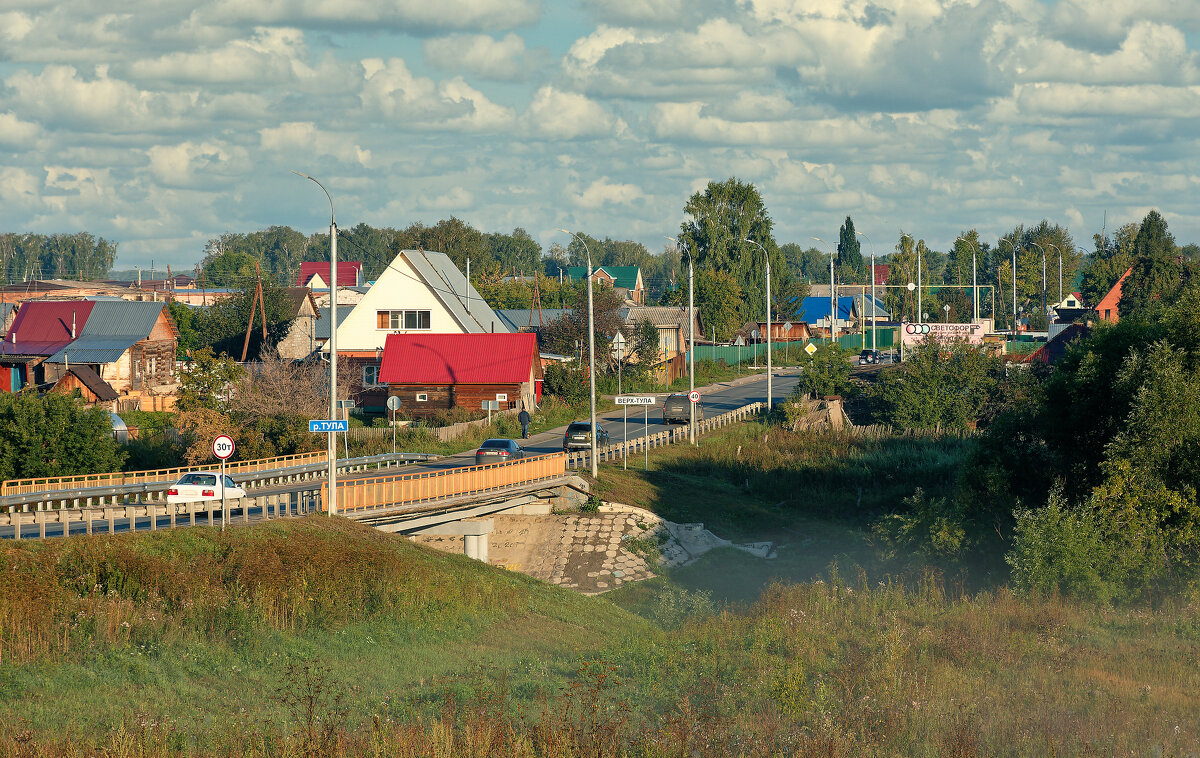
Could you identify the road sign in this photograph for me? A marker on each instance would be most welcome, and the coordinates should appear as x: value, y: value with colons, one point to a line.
x: 328, y: 425
x: 787, y: 327
x: 491, y: 405
x: 393, y: 403
x: 223, y: 446
x: 635, y: 400
x: 946, y: 308
x: 739, y: 341
x: 618, y: 341
x: 810, y: 348
x: 694, y: 396
x: 754, y: 333
x: 501, y: 397
x: 345, y: 403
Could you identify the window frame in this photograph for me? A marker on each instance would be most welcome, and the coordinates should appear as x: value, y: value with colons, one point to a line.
x: 397, y: 320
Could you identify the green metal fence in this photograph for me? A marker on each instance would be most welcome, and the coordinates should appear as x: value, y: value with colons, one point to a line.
x: 732, y: 355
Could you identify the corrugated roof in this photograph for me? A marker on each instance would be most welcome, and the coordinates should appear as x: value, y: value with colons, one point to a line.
x: 103, y: 391
x: 524, y: 318
x: 113, y: 327
x: 322, y: 328
x: 815, y: 309
x: 451, y: 287
x: 89, y: 349
x: 660, y: 315
x: 438, y: 359
x: 348, y: 272
x: 43, y: 327
x: 622, y: 276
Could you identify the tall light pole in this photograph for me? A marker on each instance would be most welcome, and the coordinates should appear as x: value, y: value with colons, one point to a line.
x: 591, y: 349
x: 1039, y: 247
x: 333, y: 414
x: 1057, y: 250
x: 874, y: 326
x: 770, y: 396
x: 691, y: 345
x: 832, y: 294
x: 974, y: 281
x: 1014, y: 290
x: 916, y: 250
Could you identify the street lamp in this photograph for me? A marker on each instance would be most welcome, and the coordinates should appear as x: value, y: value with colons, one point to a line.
x: 974, y: 280
x: 1014, y: 289
x: 691, y: 345
x: 591, y: 349
x: 918, y: 252
x: 832, y: 294
x: 874, y: 326
x: 768, y: 259
x: 332, y: 345
x: 1039, y: 247
x: 1057, y: 250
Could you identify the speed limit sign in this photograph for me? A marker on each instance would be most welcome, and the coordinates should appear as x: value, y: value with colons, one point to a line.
x: 694, y: 396
x: 223, y: 446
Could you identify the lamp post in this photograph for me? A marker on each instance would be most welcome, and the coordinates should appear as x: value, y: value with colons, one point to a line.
x: 1039, y: 247
x: 974, y: 280
x: 591, y: 349
x: 691, y: 345
x: 332, y: 345
x: 768, y: 259
x: 1014, y: 290
x: 874, y: 326
x: 832, y: 294
x: 1057, y: 250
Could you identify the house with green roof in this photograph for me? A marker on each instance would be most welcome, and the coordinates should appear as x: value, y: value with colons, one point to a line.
x: 628, y: 278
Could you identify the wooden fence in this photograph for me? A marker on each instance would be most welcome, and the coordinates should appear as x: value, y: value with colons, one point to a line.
x: 405, y: 489
x: 122, y: 478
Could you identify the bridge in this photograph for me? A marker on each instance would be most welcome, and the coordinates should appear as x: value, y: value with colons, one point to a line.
x: 370, y: 489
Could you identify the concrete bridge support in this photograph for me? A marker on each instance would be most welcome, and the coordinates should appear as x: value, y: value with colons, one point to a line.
x: 474, y: 532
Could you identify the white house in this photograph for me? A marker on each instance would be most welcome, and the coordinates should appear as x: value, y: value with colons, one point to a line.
x: 420, y: 292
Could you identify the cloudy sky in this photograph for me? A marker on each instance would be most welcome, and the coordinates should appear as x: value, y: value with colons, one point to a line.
x: 161, y: 123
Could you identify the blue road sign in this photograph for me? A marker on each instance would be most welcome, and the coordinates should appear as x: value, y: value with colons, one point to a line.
x: 327, y: 425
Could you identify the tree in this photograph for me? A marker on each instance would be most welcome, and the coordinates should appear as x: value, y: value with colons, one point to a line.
x: 571, y: 330
x: 222, y: 327
x: 208, y: 382
x: 946, y: 386
x: 808, y: 264
x: 827, y: 373
x: 644, y: 343
x: 54, y: 435
x: 1157, y: 268
x: 719, y: 299
x: 228, y: 268
x: 849, y: 255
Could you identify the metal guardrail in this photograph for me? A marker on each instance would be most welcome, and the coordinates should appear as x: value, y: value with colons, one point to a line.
x: 122, y: 478
x: 669, y: 437
x: 443, y: 484
x: 87, y: 496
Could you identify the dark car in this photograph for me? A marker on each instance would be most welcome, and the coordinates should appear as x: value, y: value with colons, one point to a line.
x: 676, y: 409
x: 498, y: 451
x: 869, y: 357
x: 579, y: 436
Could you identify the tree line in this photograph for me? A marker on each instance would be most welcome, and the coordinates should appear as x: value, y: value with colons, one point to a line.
x: 80, y: 255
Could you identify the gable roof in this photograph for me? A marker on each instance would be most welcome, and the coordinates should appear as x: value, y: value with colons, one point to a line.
x: 660, y: 315
x: 517, y: 319
x: 451, y: 287
x: 459, y: 358
x: 103, y: 391
x: 113, y: 327
x: 814, y: 309
x: 622, y: 276
x: 296, y: 297
x: 43, y: 327
x: 322, y: 327
x: 349, y: 273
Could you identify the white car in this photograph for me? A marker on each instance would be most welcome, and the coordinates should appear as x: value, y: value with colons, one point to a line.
x: 199, y: 486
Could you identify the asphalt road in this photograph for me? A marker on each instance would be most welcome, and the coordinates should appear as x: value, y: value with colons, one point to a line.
x: 716, y: 399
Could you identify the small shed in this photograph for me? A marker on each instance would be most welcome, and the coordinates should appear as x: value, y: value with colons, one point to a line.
x: 438, y: 372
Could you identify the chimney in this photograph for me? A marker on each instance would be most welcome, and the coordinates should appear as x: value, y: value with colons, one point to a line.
x: 72, y: 324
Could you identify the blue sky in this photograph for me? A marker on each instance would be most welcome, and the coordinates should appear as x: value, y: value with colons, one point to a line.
x: 163, y: 124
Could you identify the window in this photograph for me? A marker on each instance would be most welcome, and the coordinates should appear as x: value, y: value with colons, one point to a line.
x: 370, y: 375
x: 395, y: 320
x: 422, y: 397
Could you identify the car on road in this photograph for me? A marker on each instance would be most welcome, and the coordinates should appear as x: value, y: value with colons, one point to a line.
x: 199, y: 486
x: 579, y: 436
x: 499, y: 451
x: 676, y: 410
x: 869, y: 357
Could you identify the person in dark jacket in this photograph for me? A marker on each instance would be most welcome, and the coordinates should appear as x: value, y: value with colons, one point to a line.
x: 523, y: 417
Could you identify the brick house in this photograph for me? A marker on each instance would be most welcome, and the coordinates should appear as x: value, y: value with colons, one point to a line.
x: 1107, y: 309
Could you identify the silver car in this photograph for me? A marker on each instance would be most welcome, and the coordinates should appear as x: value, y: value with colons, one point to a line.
x: 676, y: 409
x: 498, y: 451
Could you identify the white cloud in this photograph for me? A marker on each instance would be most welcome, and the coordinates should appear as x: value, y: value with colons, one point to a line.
x: 14, y: 26
x: 603, y: 192
x: 15, y: 132
x: 1073, y: 101
x: 457, y: 199
x: 569, y: 115
x: 178, y: 165
x: 391, y: 91
x: 407, y: 15
x: 18, y: 188
x: 306, y: 137
x: 503, y: 59
x: 60, y: 93
x: 689, y: 121
x: 1149, y: 54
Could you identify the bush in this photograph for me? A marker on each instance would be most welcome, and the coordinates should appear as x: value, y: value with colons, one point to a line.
x: 939, y: 386
x: 826, y: 373
x: 568, y: 384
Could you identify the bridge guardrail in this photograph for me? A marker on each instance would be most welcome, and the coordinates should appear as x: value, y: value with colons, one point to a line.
x: 441, y: 484
x: 123, y: 478
x: 637, y: 445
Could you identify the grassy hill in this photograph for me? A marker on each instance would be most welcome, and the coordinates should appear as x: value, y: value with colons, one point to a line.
x: 322, y: 637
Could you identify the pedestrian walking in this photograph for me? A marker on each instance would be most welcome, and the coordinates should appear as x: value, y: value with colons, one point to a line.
x: 523, y: 417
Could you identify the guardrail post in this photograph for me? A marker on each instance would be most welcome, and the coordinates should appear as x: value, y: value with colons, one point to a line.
x: 112, y: 520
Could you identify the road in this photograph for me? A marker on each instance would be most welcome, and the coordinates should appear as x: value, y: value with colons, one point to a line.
x: 716, y: 399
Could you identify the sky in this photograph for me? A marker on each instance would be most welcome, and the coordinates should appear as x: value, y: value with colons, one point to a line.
x: 160, y: 124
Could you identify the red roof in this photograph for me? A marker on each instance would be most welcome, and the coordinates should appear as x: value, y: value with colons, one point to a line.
x: 348, y: 273
x: 881, y: 272
x: 43, y: 327
x: 459, y: 358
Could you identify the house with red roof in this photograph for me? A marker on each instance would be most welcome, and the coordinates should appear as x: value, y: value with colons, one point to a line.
x: 40, y: 329
x: 439, y: 372
x: 315, y: 274
x: 1107, y: 309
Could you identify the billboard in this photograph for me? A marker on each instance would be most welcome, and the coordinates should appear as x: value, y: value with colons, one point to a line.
x: 915, y: 334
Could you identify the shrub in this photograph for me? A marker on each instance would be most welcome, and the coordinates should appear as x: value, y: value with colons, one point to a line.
x: 826, y: 373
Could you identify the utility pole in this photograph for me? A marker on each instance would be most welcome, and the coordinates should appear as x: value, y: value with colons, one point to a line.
x: 874, y: 316
x: 333, y: 356
x: 591, y: 350
x: 766, y: 256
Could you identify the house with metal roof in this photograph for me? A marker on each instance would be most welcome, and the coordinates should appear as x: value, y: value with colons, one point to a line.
x: 530, y: 319
x: 815, y: 311
x: 315, y: 274
x: 41, y: 328
x: 626, y: 278
x: 438, y: 372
